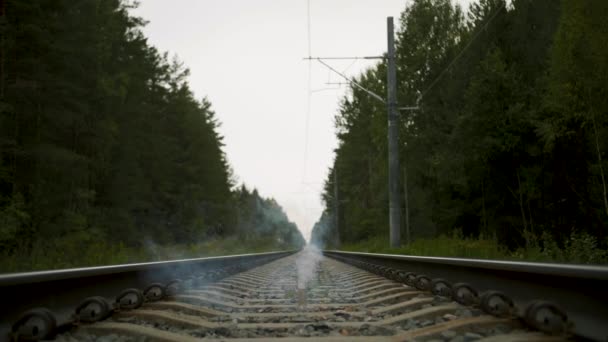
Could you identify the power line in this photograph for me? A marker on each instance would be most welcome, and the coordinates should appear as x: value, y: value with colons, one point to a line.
x: 348, y: 58
x: 460, y: 53
x: 309, y: 95
x: 324, y: 89
x: 369, y: 92
x: 307, y: 124
x: 308, y: 27
x: 349, y: 66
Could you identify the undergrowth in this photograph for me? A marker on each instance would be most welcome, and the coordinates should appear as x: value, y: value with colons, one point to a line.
x: 59, y: 255
x: 579, y: 248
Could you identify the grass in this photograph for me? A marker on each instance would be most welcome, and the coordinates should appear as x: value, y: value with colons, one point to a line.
x: 81, y: 252
x: 579, y: 249
x: 441, y: 246
x: 66, y: 254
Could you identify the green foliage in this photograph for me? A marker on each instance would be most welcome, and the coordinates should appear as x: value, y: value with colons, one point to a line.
x: 508, y: 144
x: 12, y: 218
x: 260, y: 218
x: 63, y: 254
x: 581, y: 248
x: 102, y: 143
x: 442, y: 245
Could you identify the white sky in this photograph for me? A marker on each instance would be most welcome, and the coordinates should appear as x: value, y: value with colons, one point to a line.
x: 246, y: 57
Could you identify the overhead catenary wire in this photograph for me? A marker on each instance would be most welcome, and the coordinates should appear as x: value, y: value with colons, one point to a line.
x: 483, y: 28
x: 345, y: 58
x: 421, y: 94
x: 309, y: 93
x: 349, y: 66
x: 324, y: 89
x: 352, y: 82
x: 308, y: 27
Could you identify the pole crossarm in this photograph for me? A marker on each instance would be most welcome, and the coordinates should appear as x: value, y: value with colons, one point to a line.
x: 369, y: 92
x: 344, y: 58
x: 416, y: 107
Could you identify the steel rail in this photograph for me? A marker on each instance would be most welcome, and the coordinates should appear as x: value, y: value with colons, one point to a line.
x: 62, y: 290
x: 580, y: 290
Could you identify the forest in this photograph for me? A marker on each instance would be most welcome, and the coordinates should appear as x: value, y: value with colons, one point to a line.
x: 104, y: 149
x: 508, y: 143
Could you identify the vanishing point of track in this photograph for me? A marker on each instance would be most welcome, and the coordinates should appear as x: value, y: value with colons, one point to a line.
x: 336, y: 302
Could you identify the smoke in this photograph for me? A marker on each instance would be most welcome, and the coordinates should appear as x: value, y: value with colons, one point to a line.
x: 151, y: 248
x: 259, y: 217
x: 323, y: 233
x: 306, y: 264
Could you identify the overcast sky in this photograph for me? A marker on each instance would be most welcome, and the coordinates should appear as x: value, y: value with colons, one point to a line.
x: 245, y: 56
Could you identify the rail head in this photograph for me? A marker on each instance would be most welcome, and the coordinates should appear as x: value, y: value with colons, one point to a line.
x: 11, y: 279
x: 537, y: 268
x: 62, y: 291
x: 579, y: 290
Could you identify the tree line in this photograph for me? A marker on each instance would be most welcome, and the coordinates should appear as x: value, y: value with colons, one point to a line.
x: 509, y: 139
x: 101, y: 138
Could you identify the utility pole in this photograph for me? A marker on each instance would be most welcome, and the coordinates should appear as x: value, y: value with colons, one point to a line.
x: 336, y: 206
x: 393, y: 146
x: 393, y: 131
x: 408, y: 238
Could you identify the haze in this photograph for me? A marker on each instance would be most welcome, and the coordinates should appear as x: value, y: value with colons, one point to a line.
x: 246, y: 58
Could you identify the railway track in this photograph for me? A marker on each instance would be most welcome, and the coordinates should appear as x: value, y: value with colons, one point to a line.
x: 294, y: 297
